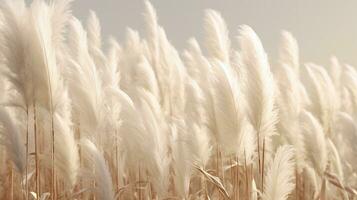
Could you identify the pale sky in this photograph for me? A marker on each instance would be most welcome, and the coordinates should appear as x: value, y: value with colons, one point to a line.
x: 322, y: 27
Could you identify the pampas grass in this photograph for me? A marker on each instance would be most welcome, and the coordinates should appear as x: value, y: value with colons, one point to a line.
x: 82, y: 117
x: 280, y: 175
x: 12, y: 139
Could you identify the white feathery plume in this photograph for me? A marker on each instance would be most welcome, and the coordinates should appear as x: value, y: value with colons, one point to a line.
x: 290, y: 107
x: 171, y: 78
x: 346, y: 135
x: 66, y: 156
x: 289, y: 52
x: 84, y: 80
x: 110, y: 122
x: 198, y: 67
x: 154, y: 48
x: 350, y: 84
x: 174, y: 75
x: 152, y: 31
x: 335, y: 164
x: 110, y: 125
x: 139, y: 71
x: 217, y: 37
x: 104, y: 189
x: 200, y: 70
x: 289, y: 100
x: 280, y: 175
x: 111, y: 75
x: 260, y: 86
x: 201, y: 145
x: 60, y: 15
x: 311, y: 177
x: 42, y: 55
x: 95, y: 41
x: 347, y: 104
x: 315, y: 142
x: 192, y: 58
x: 228, y: 107
x: 131, y: 56
x: 246, y: 151
x: 323, y: 96
x: 51, y: 91
x: 94, y: 31
x: 131, y: 132
x: 336, y: 71
x: 12, y: 139
x: 182, y: 158
x: 13, y: 44
x: 143, y: 138
x: 144, y: 77
x: 166, y: 69
x: 157, y: 130
x: 196, y: 119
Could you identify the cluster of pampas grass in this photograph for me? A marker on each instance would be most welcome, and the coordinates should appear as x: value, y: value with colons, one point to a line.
x: 84, y: 120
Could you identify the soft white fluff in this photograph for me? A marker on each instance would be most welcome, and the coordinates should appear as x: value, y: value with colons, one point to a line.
x: 289, y: 51
x: 335, y: 72
x: 196, y: 120
x: 12, y: 139
x: 104, y: 189
x: 280, y: 175
x: 42, y: 56
x: 66, y: 155
x: 350, y: 84
x: 315, y: 142
x: 150, y: 118
x: 323, y: 95
x: 228, y: 106
x: 157, y: 130
x: 217, y: 37
x: 111, y: 72
x: 346, y: 134
x: 290, y: 106
x: 260, y: 85
x: 94, y: 32
x: 13, y: 43
x: 51, y: 91
x: 95, y: 41
x: 84, y: 79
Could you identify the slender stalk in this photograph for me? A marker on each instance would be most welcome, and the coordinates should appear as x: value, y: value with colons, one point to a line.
x: 53, y: 172
x: 263, y: 155
x: 296, y: 185
x: 139, y: 191
x: 237, y: 181
x: 11, y: 183
x: 53, y: 190
x: 117, y: 160
x: 203, y: 182
x: 258, y: 143
x: 232, y: 175
x: 246, y: 176
x: 323, y: 189
x: 27, y: 153
x: 218, y: 168
x: 37, y: 171
x: 250, y: 180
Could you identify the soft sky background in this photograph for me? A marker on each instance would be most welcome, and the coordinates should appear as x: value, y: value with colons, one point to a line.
x: 322, y: 27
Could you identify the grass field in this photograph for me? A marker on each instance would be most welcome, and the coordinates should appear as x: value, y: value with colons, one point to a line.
x: 84, y: 117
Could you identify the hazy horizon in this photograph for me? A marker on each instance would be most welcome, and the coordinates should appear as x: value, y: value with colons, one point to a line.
x: 322, y: 27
